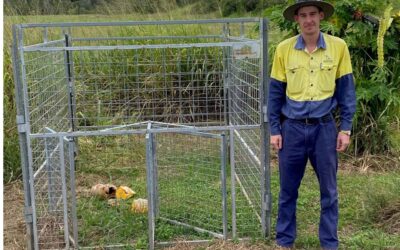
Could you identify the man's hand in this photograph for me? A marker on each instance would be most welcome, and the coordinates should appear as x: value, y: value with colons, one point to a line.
x: 276, y: 141
x: 343, y: 141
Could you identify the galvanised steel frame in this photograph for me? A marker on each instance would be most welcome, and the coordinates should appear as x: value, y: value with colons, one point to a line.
x: 73, y: 83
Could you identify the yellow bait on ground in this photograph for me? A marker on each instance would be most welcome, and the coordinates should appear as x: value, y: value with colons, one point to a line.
x: 139, y: 206
x: 124, y: 192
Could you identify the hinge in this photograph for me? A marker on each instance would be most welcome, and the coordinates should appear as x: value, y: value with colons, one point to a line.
x: 265, y: 114
x: 21, y: 124
x: 264, y: 206
x: 265, y: 203
x: 22, y: 128
x: 28, y: 214
x: 20, y: 119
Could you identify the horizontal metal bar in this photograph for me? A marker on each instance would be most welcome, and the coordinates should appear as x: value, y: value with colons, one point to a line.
x: 141, y: 38
x: 45, y: 43
x: 171, y: 244
x: 160, y: 129
x: 131, y: 47
x: 197, y: 229
x: 50, y: 130
x: 143, y: 131
x: 171, y: 124
x: 202, y: 134
x: 126, y: 126
x: 146, y: 122
x: 199, y: 242
x: 109, y: 246
x: 131, y: 23
x: 237, y: 38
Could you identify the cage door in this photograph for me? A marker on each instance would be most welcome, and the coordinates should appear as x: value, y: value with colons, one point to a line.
x: 186, y: 180
x: 54, y: 193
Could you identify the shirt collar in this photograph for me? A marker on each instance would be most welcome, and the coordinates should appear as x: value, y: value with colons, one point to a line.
x: 300, y: 44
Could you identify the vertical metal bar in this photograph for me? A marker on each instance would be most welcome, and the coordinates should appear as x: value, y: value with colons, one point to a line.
x: 149, y: 169
x: 265, y: 164
x: 233, y: 180
x: 70, y: 83
x: 45, y: 34
x: 155, y: 179
x: 23, y: 143
x: 205, y: 73
x: 64, y: 191
x: 164, y: 76
x: 226, y: 83
x: 227, y: 113
x: 223, y: 183
x: 241, y: 29
x: 71, y: 155
x: 50, y: 184
x: 28, y: 140
x: 180, y: 89
x: 137, y: 80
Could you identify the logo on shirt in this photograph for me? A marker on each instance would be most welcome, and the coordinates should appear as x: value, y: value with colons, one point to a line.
x: 327, y: 59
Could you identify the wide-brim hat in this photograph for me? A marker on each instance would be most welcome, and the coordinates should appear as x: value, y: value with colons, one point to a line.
x: 290, y: 11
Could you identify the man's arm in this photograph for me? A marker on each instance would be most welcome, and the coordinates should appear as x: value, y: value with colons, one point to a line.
x: 276, y: 99
x: 345, y: 95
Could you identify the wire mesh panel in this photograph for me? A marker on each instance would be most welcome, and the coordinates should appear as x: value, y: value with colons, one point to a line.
x: 245, y: 105
x: 86, y: 92
x: 191, y: 196
x: 51, y: 187
x: 47, y: 91
x: 162, y: 84
x: 119, y: 161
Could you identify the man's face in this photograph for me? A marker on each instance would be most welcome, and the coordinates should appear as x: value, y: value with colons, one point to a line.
x: 309, y: 18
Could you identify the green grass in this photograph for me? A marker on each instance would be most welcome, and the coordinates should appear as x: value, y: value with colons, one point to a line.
x: 11, y: 147
x: 189, y: 190
x: 361, y: 198
x: 92, y: 112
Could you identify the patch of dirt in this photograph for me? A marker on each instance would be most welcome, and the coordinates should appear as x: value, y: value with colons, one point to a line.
x: 390, y: 218
x: 49, y: 235
x: 368, y: 163
x: 14, y: 231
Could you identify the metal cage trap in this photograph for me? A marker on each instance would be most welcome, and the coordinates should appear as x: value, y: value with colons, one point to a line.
x: 174, y: 109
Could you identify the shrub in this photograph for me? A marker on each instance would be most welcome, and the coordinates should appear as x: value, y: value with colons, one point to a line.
x: 378, y: 96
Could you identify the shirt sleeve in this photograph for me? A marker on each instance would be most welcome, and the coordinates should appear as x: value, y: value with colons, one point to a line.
x: 276, y: 93
x: 278, y: 66
x: 345, y: 91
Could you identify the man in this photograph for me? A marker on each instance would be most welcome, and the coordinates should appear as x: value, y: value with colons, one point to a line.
x: 311, y: 77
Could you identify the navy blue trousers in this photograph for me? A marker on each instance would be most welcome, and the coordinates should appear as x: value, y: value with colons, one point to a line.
x: 317, y: 143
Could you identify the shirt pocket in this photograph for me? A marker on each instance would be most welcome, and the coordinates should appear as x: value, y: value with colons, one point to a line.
x: 295, y: 79
x: 327, y: 77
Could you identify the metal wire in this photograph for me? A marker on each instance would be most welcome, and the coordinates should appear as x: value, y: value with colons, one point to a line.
x: 189, y: 180
x: 47, y: 91
x: 89, y: 95
x: 49, y: 186
x: 244, y: 109
x: 169, y: 85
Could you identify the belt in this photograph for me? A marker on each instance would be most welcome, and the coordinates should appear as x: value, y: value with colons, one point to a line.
x: 310, y: 121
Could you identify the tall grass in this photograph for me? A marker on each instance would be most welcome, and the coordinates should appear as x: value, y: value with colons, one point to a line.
x: 168, y: 10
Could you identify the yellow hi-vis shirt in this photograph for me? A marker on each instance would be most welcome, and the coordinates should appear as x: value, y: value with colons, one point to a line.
x: 311, y: 84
